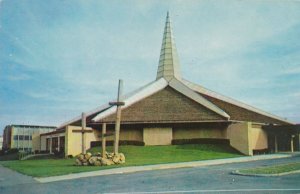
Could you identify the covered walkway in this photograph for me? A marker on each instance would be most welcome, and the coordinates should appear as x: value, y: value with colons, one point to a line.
x: 283, y: 137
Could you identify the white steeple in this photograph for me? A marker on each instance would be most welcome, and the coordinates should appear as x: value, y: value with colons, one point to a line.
x: 169, y: 66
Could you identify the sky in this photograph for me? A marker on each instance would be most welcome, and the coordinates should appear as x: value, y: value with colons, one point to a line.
x: 59, y: 58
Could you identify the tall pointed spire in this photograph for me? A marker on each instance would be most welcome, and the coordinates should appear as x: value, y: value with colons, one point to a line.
x: 169, y: 66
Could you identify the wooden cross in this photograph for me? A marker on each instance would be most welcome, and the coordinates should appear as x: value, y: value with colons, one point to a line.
x: 83, y: 131
x: 119, y: 103
x: 103, y: 137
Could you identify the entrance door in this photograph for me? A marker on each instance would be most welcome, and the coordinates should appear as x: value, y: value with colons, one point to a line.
x: 62, y: 144
x: 54, y: 144
x: 48, y: 144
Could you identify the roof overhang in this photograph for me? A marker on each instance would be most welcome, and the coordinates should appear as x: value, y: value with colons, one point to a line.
x: 53, y: 132
x: 163, y: 122
x: 292, y: 129
x: 183, y: 89
x: 205, y: 91
x: 134, y: 97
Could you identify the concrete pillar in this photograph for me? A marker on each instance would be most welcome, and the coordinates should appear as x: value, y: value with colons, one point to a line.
x: 58, y: 143
x: 23, y: 141
x: 28, y: 142
x: 18, y: 138
x: 50, y: 149
x: 299, y: 142
x: 275, y: 144
x: 104, y: 140
x: 292, y: 143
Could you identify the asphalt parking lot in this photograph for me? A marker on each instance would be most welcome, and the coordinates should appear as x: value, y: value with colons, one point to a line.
x: 207, y: 179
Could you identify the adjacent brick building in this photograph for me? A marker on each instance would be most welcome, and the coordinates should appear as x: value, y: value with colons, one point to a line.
x: 22, y: 136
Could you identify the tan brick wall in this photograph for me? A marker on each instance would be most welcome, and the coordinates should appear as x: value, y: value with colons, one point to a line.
x: 43, y: 143
x: 193, y: 133
x: 239, y: 136
x: 166, y: 105
x: 258, y: 138
x: 157, y: 136
x: 36, y: 142
x: 73, y: 140
x: 131, y: 135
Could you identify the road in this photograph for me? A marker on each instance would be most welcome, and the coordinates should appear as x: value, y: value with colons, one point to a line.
x: 209, y: 179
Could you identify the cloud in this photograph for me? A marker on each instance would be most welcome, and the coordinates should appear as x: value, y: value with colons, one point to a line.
x: 71, y: 55
x: 293, y: 70
x: 18, y: 77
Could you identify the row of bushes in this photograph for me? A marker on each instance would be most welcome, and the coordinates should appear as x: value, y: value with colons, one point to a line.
x: 174, y: 142
x: 200, y: 141
x: 8, y: 151
x: 121, y: 142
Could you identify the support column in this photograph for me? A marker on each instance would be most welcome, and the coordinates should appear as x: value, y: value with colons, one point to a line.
x: 18, y: 133
x: 23, y: 141
x: 104, y: 140
x: 299, y: 142
x: 50, y: 149
x: 58, y: 144
x: 275, y: 144
x: 292, y: 143
x: 28, y: 142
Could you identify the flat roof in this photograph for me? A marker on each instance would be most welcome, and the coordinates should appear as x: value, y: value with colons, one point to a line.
x: 32, y: 126
x: 53, y: 132
x: 283, y: 128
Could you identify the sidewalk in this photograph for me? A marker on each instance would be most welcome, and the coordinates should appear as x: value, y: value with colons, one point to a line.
x: 160, y: 167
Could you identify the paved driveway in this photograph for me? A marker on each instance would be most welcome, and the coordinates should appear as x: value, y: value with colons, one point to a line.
x: 210, y: 179
x: 10, y: 178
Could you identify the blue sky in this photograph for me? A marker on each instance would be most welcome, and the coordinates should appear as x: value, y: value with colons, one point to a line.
x: 59, y: 58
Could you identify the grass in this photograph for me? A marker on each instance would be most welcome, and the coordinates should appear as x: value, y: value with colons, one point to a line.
x: 146, y: 155
x: 276, y: 169
x: 135, y: 156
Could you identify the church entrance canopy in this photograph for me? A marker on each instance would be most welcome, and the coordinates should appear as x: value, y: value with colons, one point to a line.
x: 283, y: 137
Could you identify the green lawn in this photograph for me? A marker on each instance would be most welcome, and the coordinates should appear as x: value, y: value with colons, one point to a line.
x: 135, y: 155
x: 276, y: 169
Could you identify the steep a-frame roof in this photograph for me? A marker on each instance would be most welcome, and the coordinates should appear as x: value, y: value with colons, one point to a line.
x: 169, y: 70
x: 168, y: 75
x: 157, y: 86
x: 211, y: 94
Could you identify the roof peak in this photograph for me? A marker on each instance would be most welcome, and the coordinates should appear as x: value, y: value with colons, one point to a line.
x: 169, y: 66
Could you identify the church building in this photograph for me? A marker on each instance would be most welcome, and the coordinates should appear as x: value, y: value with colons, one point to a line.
x: 173, y: 110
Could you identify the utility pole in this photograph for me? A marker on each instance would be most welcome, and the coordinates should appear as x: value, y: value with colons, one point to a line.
x: 119, y: 103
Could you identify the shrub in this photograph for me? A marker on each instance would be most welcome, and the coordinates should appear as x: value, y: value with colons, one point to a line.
x: 122, y: 142
x: 200, y: 141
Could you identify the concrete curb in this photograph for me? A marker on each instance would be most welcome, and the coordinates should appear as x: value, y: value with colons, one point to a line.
x: 132, y: 169
x: 237, y: 172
